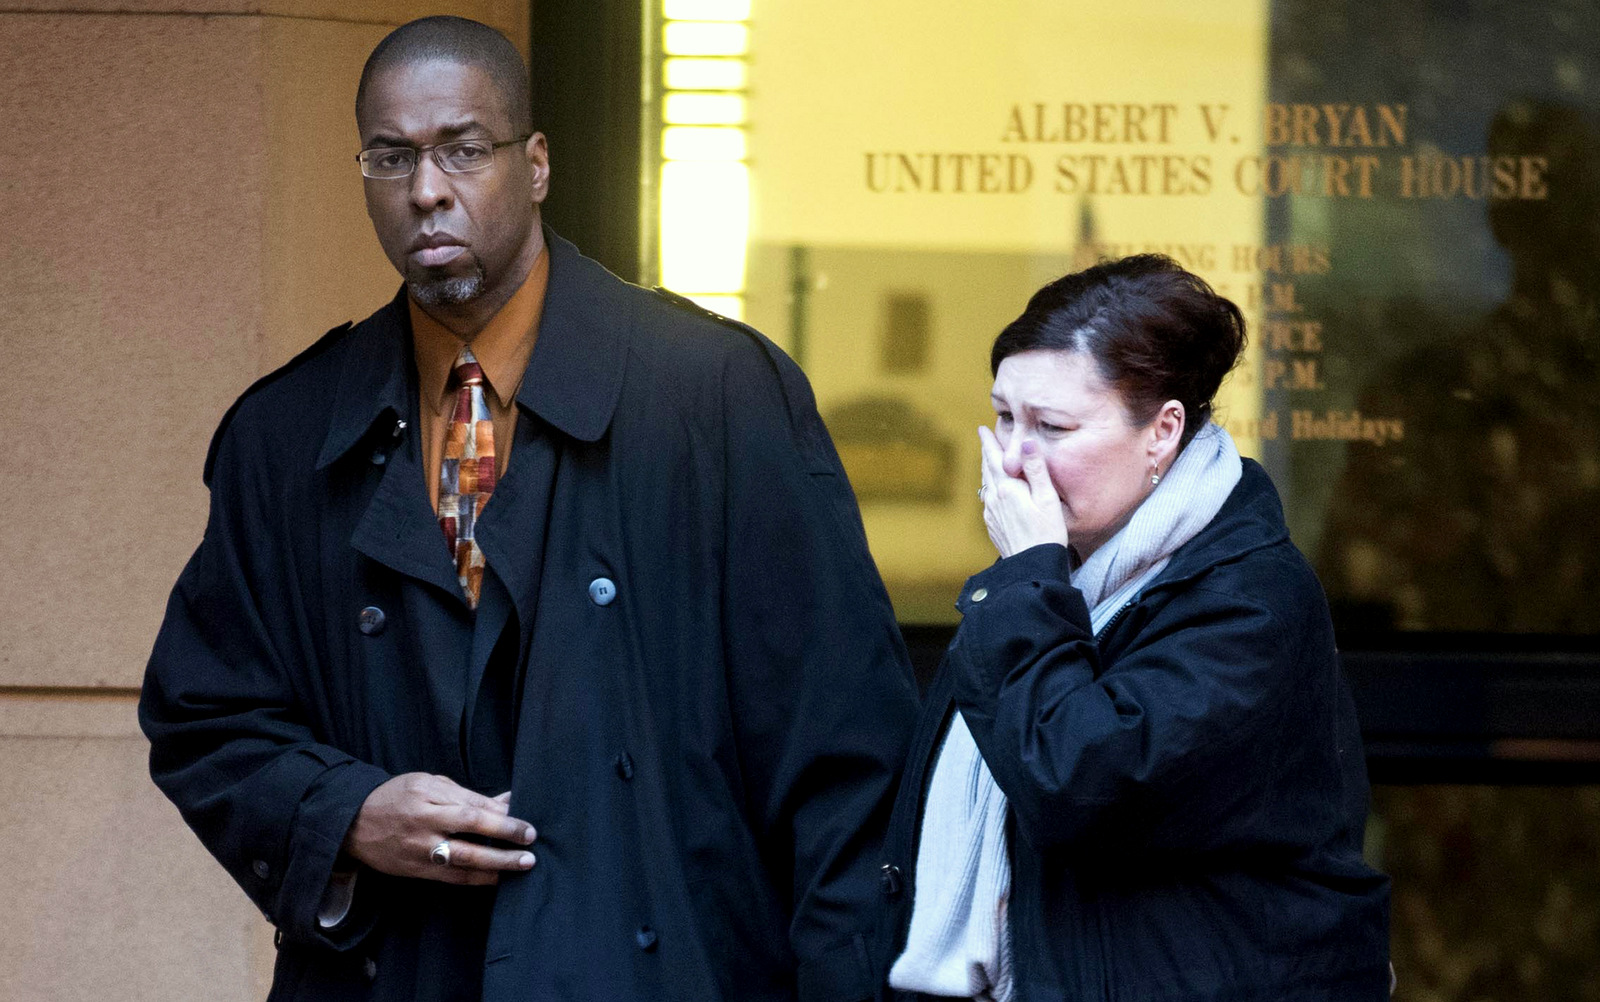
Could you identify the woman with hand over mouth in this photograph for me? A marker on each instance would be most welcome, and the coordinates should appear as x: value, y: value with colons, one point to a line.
x: 1139, y: 774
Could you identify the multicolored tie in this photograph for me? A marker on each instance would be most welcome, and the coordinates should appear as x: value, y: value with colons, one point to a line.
x: 466, y: 476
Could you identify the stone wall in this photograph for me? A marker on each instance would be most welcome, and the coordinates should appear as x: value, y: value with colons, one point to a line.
x: 184, y: 215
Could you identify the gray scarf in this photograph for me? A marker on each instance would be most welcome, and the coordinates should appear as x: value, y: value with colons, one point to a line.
x: 959, y: 941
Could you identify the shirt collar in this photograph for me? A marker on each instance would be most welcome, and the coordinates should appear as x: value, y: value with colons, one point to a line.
x: 502, y: 348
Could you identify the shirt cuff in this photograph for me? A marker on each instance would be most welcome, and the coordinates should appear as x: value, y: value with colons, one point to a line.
x: 336, y: 899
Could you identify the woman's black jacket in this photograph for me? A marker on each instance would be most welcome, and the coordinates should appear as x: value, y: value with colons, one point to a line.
x: 1187, y: 791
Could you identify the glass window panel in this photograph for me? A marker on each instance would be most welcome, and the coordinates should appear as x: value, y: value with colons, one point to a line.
x: 916, y: 193
x: 1496, y: 894
x: 1397, y: 196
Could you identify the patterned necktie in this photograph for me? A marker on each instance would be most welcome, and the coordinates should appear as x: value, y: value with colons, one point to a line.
x: 466, y: 476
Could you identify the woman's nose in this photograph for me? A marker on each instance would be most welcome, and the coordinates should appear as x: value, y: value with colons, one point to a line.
x: 1013, y: 454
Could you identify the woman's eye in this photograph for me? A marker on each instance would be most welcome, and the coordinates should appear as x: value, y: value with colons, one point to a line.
x: 1053, y: 429
x: 1003, y: 417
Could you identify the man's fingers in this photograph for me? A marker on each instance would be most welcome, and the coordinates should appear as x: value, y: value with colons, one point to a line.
x: 492, y: 804
x: 471, y: 856
x: 443, y: 790
x: 454, y: 875
x: 491, y: 821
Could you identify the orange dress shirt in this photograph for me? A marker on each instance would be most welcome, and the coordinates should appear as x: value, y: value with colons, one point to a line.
x: 502, y: 349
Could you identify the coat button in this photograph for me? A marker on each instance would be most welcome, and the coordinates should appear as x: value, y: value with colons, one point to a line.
x: 979, y: 594
x: 889, y: 880
x: 379, y: 457
x: 602, y: 590
x: 646, y: 938
x: 261, y: 869
x: 370, y: 621
x: 369, y: 967
x: 624, y: 764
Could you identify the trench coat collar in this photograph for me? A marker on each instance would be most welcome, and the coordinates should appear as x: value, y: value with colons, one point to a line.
x: 572, y: 381
x: 575, y: 375
x: 375, y: 379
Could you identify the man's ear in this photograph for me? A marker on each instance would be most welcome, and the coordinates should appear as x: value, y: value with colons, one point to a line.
x: 538, y: 156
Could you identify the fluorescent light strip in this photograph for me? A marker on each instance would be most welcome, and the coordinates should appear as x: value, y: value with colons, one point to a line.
x: 706, y: 10
x: 705, y: 38
x: 704, y: 74
x: 690, y: 142
x: 704, y: 190
x: 695, y: 108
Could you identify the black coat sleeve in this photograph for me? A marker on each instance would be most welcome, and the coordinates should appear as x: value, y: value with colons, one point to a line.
x: 1171, y: 749
x: 823, y: 695
x: 228, y: 741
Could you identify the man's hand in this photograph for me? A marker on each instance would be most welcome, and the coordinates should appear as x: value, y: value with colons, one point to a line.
x: 402, y: 821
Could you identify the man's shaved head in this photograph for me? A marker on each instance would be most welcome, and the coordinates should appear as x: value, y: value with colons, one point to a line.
x: 457, y: 40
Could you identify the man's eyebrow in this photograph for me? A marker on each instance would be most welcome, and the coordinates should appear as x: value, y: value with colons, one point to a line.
x: 462, y: 128
x: 453, y: 131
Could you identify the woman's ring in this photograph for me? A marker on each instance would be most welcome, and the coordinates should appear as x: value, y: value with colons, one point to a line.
x: 441, y: 853
x: 981, y: 490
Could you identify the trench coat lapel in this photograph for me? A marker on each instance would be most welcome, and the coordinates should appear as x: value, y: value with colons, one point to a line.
x: 398, y: 528
x: 511, y: 532
x: 567, y: 396
x: 512, y: 528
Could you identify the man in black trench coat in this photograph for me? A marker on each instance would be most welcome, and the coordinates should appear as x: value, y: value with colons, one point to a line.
x: 653, y: 760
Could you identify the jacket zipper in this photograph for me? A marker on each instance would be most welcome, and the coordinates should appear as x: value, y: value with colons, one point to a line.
x: 1117, y: 617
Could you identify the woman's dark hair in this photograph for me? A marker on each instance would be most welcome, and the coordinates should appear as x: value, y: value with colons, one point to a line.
x: 1155, y: 332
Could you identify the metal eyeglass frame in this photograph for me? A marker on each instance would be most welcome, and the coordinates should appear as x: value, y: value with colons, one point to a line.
x: 416, y: 152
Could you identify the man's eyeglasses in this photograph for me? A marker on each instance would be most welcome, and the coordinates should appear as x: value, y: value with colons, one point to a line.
x: 454, y: 158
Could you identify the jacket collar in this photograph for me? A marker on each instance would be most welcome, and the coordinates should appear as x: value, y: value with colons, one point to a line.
x: 376, y: 379
x: 1251, y: 518
x: 575, y: 376
x: 573, y: 380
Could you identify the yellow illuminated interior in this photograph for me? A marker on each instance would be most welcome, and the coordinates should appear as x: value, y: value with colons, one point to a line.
x: 839, y: 88
x: 813, y: 250
x: 705, y: 221
x: 728, y: 306
x: 704, y: 195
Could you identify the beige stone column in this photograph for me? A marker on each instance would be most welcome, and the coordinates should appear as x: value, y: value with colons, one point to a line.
x: 182, y: 214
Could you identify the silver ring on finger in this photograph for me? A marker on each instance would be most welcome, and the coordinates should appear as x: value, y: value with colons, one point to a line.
x: 982, y: 490
x: 441, y: 853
